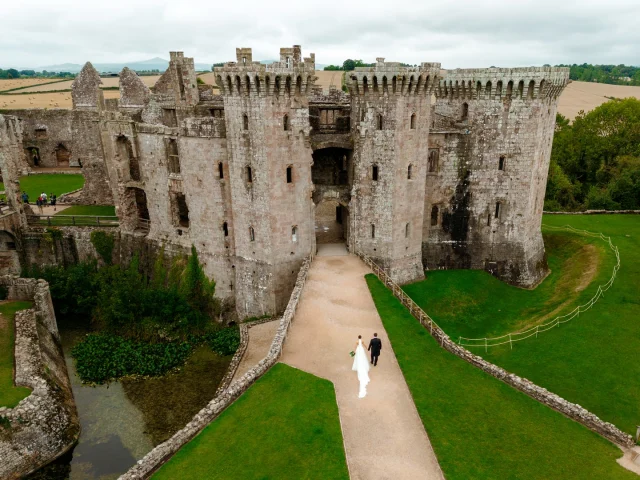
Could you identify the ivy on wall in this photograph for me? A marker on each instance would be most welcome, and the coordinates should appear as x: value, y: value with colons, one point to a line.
x: 103, y: 243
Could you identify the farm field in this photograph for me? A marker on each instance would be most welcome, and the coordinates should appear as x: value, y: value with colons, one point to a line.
x: 591, y: 360
x: 588, y: 95
x: 24, y: 82
x: 481, y: 427
x: 148, y: 80
x: 307, y: 442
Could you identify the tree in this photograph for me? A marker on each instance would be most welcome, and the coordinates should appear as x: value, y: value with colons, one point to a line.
x: 14, y: 73
x: 348, y: 65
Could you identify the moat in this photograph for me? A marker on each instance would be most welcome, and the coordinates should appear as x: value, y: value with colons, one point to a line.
x: 121, y: 421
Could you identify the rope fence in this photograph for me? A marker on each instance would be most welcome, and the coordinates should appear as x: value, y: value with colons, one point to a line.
x: 509, y: 338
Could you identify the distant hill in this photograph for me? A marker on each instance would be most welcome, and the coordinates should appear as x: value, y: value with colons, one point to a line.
x: 156, y: 63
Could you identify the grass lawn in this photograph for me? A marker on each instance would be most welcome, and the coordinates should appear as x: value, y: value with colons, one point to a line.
x: 285, y: 426
x: 481, y: 428
x: 34, y: 185
x: 10, y: 395
x: 593, y: 359
x: 99, y: 210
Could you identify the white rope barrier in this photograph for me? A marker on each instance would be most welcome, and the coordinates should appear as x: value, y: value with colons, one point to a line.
x: 556, y: 322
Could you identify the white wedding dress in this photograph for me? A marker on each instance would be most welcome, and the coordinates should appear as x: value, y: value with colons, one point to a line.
x: 361, y: 365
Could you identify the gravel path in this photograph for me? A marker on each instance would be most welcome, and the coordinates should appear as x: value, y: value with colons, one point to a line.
x: 383, y: 435
x: 260, y: 339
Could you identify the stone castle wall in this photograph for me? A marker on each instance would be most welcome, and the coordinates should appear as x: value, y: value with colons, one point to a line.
x: 45, y: 424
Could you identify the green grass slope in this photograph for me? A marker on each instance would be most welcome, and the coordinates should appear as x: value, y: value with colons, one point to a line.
x: 286, y: 426
x: 10, y: 395
x: 481, y: 428
x: 593, y: 359
x: 34, y: 185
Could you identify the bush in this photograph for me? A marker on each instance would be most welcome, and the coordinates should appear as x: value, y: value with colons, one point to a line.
x: 224, y: 342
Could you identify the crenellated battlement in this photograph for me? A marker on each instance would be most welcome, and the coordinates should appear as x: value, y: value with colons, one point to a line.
x: 526, y: 83
x: 292, y: 75
x: 391, y: 78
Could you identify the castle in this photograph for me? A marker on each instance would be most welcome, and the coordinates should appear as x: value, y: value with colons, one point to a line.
x: 416, y: 167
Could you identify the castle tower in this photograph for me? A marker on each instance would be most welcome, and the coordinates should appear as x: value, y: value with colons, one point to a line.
x: 267, y: 131
x: 390, y: 112
x: 490, y: 147
x: 179, y: 80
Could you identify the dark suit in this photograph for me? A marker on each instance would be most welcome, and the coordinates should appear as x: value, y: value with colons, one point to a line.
x: 375, y: 345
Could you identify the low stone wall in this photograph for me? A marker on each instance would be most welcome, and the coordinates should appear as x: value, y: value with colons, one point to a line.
x: 571, y: 410
x: 594, y: 212
x: 44, y: 425
x: 160, y: 454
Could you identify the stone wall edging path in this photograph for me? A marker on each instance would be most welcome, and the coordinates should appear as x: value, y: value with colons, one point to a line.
x: 161, y: 453
x: 44, y: 425
x: 571, y: 410
x: 596, y: 212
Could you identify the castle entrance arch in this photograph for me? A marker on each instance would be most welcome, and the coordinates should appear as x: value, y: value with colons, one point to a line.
x: 332, y: 175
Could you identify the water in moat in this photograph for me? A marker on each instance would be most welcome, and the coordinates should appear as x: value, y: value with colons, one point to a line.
x: 120, y: 422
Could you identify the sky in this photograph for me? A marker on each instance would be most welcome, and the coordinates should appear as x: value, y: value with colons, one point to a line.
x: 458, y: 33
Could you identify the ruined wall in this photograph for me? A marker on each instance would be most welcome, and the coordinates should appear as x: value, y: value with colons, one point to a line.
x: 492, y: 134
x: 45, y: 424
x: 390, y: 110
x: 272, y: 218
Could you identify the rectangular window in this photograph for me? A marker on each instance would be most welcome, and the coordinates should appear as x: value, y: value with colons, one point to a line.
x: 173, y: 160
x: 501, y: 163
x: 289, y: 174
x: 169, y: 117
x: 497, y: 214
x: 217, y: 112
x: 180, y: 210
x: 374, y: 173
x: 373, y: 231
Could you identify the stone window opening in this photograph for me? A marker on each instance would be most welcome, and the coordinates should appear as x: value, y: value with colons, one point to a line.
x: 287, y: 86
x: 257, y: 83
x: 478, y: 89
x: 394, y: 84
x: 501, y: 162
x: 509, y: 88
x: 374, y: 173
x: 497, y: 211
x: 488, y: 90
x: 532, y: 85
x: 276, y: 87
x: 294, y: 234
x: 63, y: 155
x: 289, y: 174
x: 385, y: 86
x: 379, y: 121
x: 220, y: 171
x: 229, y: 87
x: 173, y: 160
x: 434, y: 215
x: 249, y: 175
x: 217, y: 112
x: 434, y: 155
x: 465, y: 112
x: 375, y: 84
x: 409, y: 171
x: 288, y: 62
x: 373, y: 231
x: 126, y: 149
x: 41, y: 132
x: 244, y: 60
x: 245, y: 122
x: 34, y: 154
x: 365, y: 85
x: 225, y: 229
x: 489, y: 220
x: 180, y: 210
x: 541, y: 89
x: 499, y: 89
x: 285, y: 123
x: 248, y: 82
x: 520, y: 88
x: 252, y: 234
x: 238, y: 85
x: 299, y: 85
x: 169, y: 117
x: 407, y: 229
x: 413, y: 121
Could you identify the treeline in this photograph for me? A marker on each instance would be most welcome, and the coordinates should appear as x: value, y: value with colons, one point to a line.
x: 350, y: 64
x: 13, y: 73
x: 611, y: 74
x: 595, y: 161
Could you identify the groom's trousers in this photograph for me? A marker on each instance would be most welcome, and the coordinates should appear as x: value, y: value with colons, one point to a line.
x: 374, y: 358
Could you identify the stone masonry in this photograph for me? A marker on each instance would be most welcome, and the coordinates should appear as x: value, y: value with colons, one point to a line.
x: 415, y: 167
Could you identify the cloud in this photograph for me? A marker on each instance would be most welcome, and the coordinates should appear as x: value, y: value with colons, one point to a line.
x: 463, y: 33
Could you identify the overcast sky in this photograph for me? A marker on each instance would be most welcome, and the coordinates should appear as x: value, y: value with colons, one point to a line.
x: 457, y: 33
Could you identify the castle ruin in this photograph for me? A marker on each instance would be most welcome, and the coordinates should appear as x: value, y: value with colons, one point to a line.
x: 417, y: 167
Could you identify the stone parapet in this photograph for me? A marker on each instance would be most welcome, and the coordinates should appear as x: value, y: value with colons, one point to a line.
x: 160, y: 454
x: 45, y: 424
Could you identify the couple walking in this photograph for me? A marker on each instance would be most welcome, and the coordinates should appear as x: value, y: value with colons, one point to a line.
x: 361, y: 363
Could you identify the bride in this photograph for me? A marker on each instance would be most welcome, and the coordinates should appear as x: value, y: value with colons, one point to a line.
x: 361, y: 365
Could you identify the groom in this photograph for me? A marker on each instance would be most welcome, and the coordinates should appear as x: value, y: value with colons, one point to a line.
x: 375, y: 345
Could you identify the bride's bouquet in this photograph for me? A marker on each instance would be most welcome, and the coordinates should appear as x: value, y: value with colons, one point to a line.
x: 352, y: 353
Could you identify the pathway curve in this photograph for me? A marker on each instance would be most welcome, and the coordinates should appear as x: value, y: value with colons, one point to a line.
x: 260, y: 339
x: 383, y: 435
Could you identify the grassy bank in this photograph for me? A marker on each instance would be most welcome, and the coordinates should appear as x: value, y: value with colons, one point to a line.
x: 285, y: 426
x: 481, y: 428
x: 592, y: 360
x: 94, y: 210
x: 10, y: 395
x: 34, y: 185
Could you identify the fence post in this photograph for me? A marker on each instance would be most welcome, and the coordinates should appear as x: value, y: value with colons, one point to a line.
x: 98, y: 220
x: 510, y: 342
x: 48, y: 220
x: 485, y: 345
x: 73, y: 219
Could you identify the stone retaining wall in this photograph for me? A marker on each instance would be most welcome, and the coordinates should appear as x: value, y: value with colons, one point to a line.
x: 45, y: 424
x: 160, y: 454
x: 571, y: 410
x: 594, y: 212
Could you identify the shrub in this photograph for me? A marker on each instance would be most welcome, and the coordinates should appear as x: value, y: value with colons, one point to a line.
x: 103, y: 243
x: 225, y: 341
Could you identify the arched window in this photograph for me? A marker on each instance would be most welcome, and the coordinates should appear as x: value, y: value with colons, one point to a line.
x: 379, y: 121
x: 385, y: 87
x: 532, y: 85
x: 434, y: 153
x: 478, y: 89
x: 434, y: 215
x: 247, y: 80
x: 285, y: 122
x: 465, y: 111
x: 520, y: 88
x: 509, y: 88
x: 225, y: 229
x: 238, y: 85
x: 499, y: 89
x: 249, y: 175
x: 406, y: 231
x: 252, y: 234
x: 541, y: 89
x: 289, y: 174
x: 276, y: 87
x: 229, y: 87
x: 409, y: 172
x: 220, y: 171
x: 294, y: 234
x: 374, y: 173
x: 501, y: 162
x: 394, y: 84
x: 373, y: 231
x: 413, y: 121
x: 365, y: 85
x: 257, y: 82
x: 299, y: 85
x: 375, y: 84
x: 488, y: 90
x: 287, y: 86
x: 245, y: 122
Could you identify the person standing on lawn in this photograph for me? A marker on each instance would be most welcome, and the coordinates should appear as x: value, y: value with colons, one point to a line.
x: 25, y: 197
x: 54, y: 199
